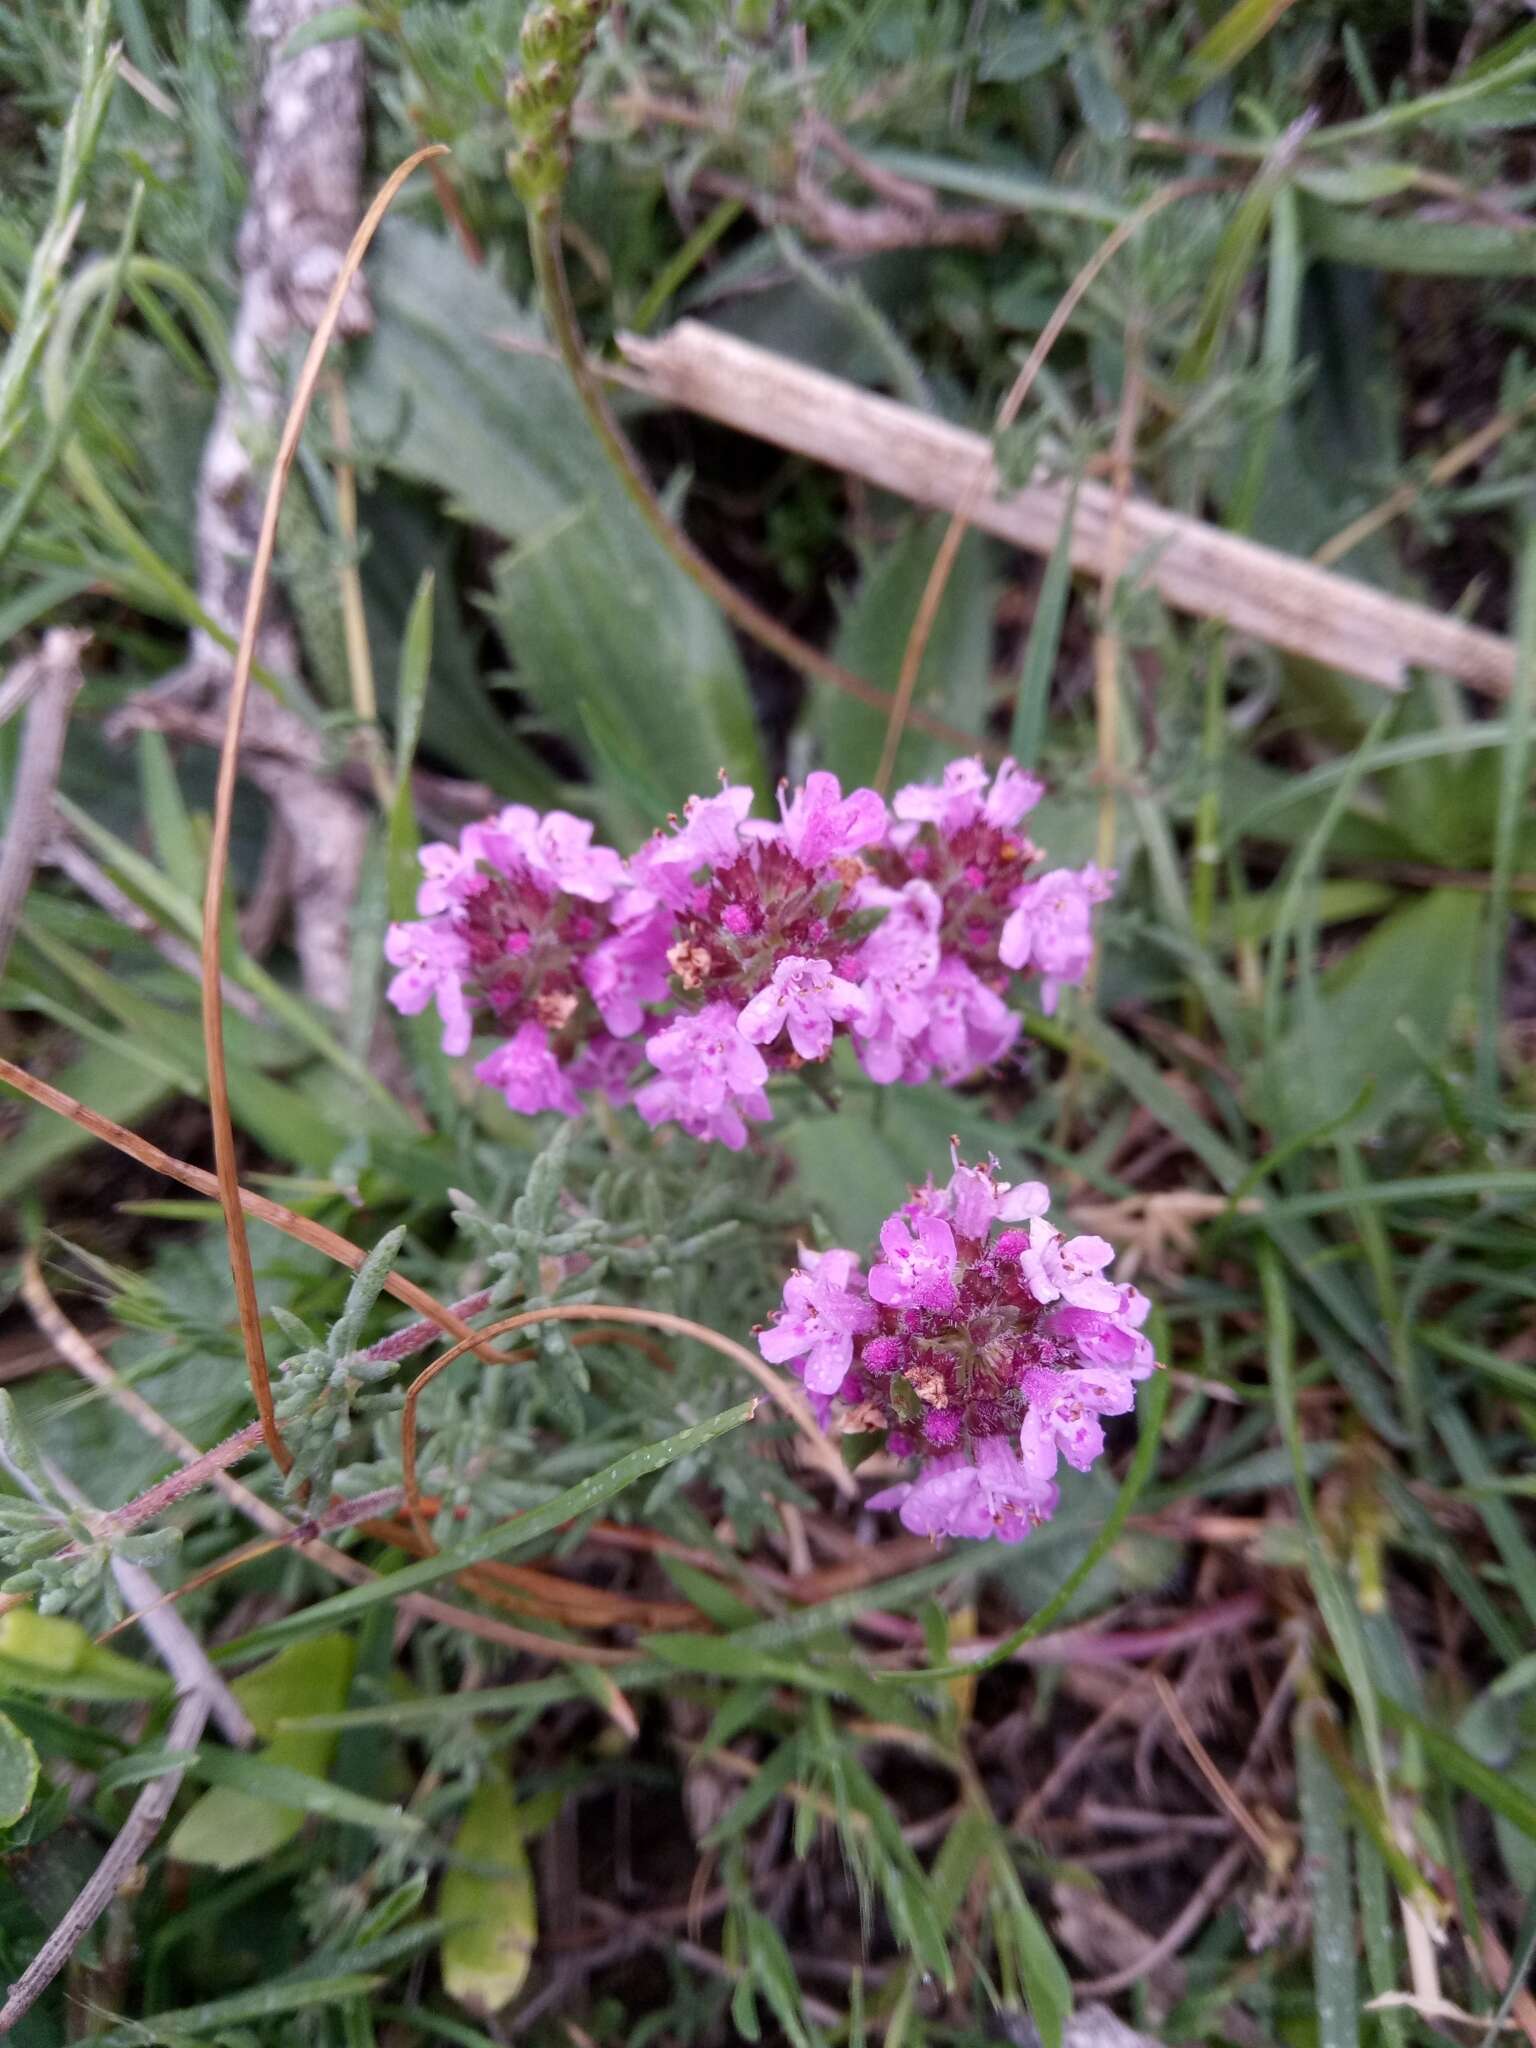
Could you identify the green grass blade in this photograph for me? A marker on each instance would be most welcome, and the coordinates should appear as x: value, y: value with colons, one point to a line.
x: 1325, y: 1838
x: 1032, y: 699
x: 1335, y: 1603
x: 1514, y: 791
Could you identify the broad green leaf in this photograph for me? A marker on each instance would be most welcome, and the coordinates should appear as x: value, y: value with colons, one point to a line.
x: 1417, y: 248
x: 1500, y: 1731
x: 1041, y: 1973
x: 1413, y: 970
x: 1241, y: 29
x: 1032, y: 699
x: 232, y: 1825
x: 488, y: 1899
x: 1356, y: 184
x: 618, y: 648
x: 465, y: 723
x: 1016, y: 50
x: 626, y: 660
x: 18, y: 1772
x: 176, y: 842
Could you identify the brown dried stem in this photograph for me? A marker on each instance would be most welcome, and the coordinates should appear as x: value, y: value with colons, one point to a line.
x: 228, y: 1178
x: 303, y: 1228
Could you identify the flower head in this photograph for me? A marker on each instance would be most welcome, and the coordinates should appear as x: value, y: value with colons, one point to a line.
x: 752, y: 944
x: 516, y: 938
x: 970, y: 1345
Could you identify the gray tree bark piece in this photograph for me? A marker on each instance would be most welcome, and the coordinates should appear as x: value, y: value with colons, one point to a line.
x: 47, y: 683
x: 306, y: 149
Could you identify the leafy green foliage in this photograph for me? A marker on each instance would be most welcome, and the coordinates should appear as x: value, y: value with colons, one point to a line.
x: 1301, y: 1088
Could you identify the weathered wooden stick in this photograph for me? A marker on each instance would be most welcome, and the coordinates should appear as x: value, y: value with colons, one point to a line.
x: 1194, y: 567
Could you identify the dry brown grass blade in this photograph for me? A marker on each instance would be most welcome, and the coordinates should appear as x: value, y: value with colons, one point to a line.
x: 227, y: 1171
x: 1008, y: 412
x: 341, y: 1249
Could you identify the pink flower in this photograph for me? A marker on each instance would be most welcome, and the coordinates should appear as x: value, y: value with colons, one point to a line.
x: 450, y: 874
x: 976, y: 1199
x: 668, y: 1101
x: 1064, y: 1411
x: 628, y: 971
x: 529, y: 1075
x: 824, y: 1310
x: 1051, y: 927
x: 950, y: 803
x: 1105, y: 1340
x: 919, y: 1265
x: 707, y: 1052
x: 709, y: 1077
x: 969, y: 1027
x: 1067, y: 1269
x: 432, y: 963
x: 820, y: 824
x: 552, y: 848
x: 996, y: 1496
x: 1013, y: 795
x: 809, y: 999
x: 709, y: 836
x: 894, y: 966
x: 962, y: 797
x: 606, y: 1066
x: 711, y: 831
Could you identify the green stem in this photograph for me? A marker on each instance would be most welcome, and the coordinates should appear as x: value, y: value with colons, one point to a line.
x: 684, y: 263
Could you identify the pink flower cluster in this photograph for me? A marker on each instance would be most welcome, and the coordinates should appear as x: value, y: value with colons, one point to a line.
x: 729, y: 947
x: 989, y: 1357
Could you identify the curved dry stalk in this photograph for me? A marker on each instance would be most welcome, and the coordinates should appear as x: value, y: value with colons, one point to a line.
x: 949, y: 547
x: 334, y: 1246
x: 784, y: 1392
x: 1442, y: 470
x: 227, y: 1172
